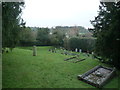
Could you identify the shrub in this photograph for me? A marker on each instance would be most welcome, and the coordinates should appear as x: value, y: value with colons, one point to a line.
x: 86, y: 44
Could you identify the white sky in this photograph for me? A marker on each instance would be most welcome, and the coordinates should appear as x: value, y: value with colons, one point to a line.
x: 50, y: 13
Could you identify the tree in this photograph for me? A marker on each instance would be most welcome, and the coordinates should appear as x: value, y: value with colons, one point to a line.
x: 86, y: 44
x: 57, y: 37
x: 43, y: 36
x: 27, y: 37
x: 26, y: 34
x: 107, y: 31
x: 11, y: 23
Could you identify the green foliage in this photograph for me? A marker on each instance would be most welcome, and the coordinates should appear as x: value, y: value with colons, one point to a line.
x: 107, y: 31
x: 61, y: 34
x: 71, y: 31
x: 86, y: 44
x: 30, y: 36
x: 27, y: 37
x: 57, y: 37
x: 11, y: 23
x: 43, y: 36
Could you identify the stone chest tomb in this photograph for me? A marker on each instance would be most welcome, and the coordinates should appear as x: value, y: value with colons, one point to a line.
x: 97, y: 76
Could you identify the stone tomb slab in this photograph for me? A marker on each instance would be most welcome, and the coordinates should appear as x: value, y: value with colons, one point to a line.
x: 97, y: 76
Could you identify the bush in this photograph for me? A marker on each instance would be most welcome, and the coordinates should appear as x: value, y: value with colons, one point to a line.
x: 86, y: 44
x: 32, y: 43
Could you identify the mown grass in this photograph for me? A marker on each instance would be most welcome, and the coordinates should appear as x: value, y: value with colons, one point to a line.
x: 46, y: 70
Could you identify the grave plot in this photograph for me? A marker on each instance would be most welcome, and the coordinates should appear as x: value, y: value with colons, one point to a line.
x: 78, y: 60
x: 69, y: 58
x: 74, y: 59
x: 52, y: 50
x: 97, y: 76
x: 64, y: 52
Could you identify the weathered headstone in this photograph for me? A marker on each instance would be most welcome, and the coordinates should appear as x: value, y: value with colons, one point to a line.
x: 80, y: 50
x: 34, y: 51
x: 92, y: 55
x: 76, y: 50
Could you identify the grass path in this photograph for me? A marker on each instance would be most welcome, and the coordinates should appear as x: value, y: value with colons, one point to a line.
x: 46, y: 70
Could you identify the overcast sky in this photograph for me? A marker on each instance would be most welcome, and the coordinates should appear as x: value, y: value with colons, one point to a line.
x: 50, y: 13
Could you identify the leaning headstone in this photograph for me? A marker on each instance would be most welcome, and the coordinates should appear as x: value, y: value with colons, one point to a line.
x: 34, y: 51
x: 76, y: 50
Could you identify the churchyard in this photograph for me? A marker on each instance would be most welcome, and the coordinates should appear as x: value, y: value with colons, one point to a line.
x: 57, y: 51
x: 50, y: 68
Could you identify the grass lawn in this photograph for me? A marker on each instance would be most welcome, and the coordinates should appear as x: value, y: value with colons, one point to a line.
x: 46, y: 70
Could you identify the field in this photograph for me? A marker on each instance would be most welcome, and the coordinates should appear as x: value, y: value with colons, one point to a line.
x: 46, y: 70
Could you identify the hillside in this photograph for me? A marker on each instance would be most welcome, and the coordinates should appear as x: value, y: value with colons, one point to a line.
x: 46, y: 70
x: 72, y: 30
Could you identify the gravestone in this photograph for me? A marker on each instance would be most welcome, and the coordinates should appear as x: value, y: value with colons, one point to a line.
x: 76, y: 50
x: 34, y: 51
x: 80, y: 50
x: 92, y: 55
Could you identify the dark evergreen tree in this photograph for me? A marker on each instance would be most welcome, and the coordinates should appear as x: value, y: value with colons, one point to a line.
x: 11, y: 23
x: 107, y: 31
